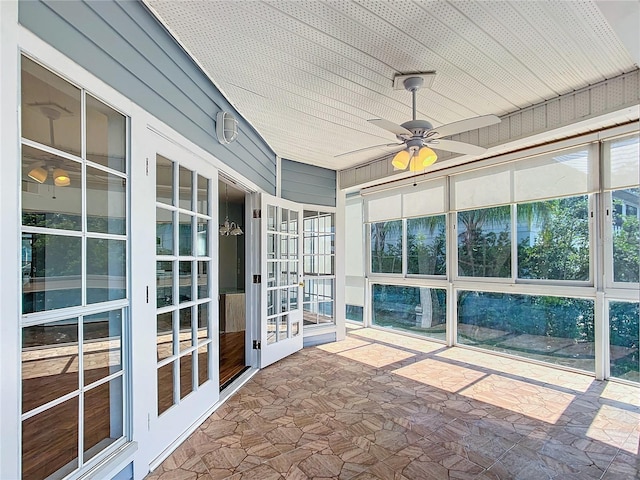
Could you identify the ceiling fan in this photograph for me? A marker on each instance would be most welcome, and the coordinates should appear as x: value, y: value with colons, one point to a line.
x: 419, y: 137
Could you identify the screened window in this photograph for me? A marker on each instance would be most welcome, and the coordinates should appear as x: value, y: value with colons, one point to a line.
x: 74, y: 262
x: 386, y: 247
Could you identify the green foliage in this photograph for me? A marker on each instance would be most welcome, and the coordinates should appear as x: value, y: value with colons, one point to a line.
x: 426, y: 246
x: 626, y: 249
x: 624, y: 331
x: 561, y: 249
x: 386, y: 247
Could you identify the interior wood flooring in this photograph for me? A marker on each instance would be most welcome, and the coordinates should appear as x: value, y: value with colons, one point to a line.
x: 232, y: 361
x: 379, y: 405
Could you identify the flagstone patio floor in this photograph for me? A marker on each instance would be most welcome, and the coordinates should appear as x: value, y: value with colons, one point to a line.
x: 379, y: 405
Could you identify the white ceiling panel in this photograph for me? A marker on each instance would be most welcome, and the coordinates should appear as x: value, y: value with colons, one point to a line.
x: 308, y: 74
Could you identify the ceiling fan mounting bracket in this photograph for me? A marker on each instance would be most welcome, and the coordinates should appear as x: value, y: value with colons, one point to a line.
x: 415, y: 81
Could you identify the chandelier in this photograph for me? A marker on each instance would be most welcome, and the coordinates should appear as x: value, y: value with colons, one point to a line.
x: 228, y: 228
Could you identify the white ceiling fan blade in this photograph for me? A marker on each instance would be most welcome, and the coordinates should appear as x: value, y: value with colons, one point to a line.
x: 465, y: 125
x: 457, y: 147
x: 369, y: 148
x: 390, y: 126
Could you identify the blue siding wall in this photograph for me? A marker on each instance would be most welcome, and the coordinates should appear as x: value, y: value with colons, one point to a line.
x: 309, y: 184
x: 124, y: 45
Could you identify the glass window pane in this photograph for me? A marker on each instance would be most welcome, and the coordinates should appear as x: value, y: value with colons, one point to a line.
x: 185, y: 334
x: 412, y: 309
x: 203, y: 280
x: 556, y: 330
x: 106, y: 270
x: 49, y: 362
x: 186, y: 186
x: 626, y: 235
x: 165, y: 388
x: 106, y: 202
x: 164, y: 335
x: 50, y: 108
x: 51, y: 272
x: 103, y: 416
x: 204, y: 332
x: 426, y: 245
x: 164, y: 283
x: 293, y: 221
x: 284, y: 220
x: 185, y: 240
x: 186, y: 375
x: 106, y: 135
x: 203, y: 195
x: 553, y: 239
x: 185, y: 282
x: 202, y: 239
x: 271, y: 330
x: 484, y: 242
x: 164, y: 232
x: 271, y: 217
x: 283, y: 327
x: 203, y: 363
x: 164, y: 180
x: 624, y: 333
x: 51, y: 190
x: 102, y: 345
x: 386, y: 247
x: 39, y: 460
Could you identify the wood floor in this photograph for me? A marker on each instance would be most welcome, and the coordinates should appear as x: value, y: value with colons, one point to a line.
x: 232, y: 361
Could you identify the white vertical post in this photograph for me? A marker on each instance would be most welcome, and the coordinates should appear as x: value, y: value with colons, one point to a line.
x: 339, y: 303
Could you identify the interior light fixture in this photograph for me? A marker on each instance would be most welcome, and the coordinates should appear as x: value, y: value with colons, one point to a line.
x: 427, y: 157
x: 38, y: 174
x: 228, y: 228
x: 401, y: 160
x: 61, y: 178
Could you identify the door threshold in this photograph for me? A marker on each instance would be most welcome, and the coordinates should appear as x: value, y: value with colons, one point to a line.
x: 234, y: 378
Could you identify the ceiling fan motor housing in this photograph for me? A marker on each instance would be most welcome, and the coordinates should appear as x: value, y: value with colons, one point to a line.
x: 419, y: 128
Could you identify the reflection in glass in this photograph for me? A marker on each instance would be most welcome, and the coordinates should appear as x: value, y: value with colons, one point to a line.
x: 484, y: 242
x: 43, y: 203
x: 185, y: 281
x: 185, y: 239
x: 386, y: 247
x: 203, y: 279
x: 413, y: 309
x: 203, y: 364
x: 186, y: 182
x: 203, y: 195
x: 50, y: 108
x: 202, y: 238
x: 624, y: 333
x: 293, y: 221
x: 557, y: 330
x: 186, y: 375
x: 272, y: 299
x: 426, y: 245
x: 103, y: 419
x: 271, y: 330
x: 553, y: 239
x: 271, y: 245
x: 203, y: 322
x: 626, y: 234
x: 106, y: 202
x: 49, y: 362
x: 164, y: 283
x: 102, y: 345
x: 283, y: 327
x: 284, y: 220
x: 164, y: 335
x: 51, y: 272
x: 59, y: 423
x: 185, y: 333
x: 106, y: 270
x: 271, y: 217
x: 164, y: 180
x: 164, y: 232
x: 165, y: 388
x: 293, y: 298
x: 295, y: 329
x: 106, y: 135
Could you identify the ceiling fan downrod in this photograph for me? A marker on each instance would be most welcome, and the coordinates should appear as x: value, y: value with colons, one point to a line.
x: 412, y: 84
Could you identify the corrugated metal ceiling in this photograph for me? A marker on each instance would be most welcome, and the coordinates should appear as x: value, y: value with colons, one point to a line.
x: 308, y: 73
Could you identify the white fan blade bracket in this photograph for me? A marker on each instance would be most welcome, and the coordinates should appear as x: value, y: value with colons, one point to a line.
x: 390, y: 126
x: 465, y: 125
x: 457, y: 147
x: 384, y: 145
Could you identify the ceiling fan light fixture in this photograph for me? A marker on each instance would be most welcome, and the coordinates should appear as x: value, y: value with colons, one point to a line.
x: 61, y: 178
x: 427, y: 157
x: 38, y: 174
x: 401, y: 159
x: 415, y: 165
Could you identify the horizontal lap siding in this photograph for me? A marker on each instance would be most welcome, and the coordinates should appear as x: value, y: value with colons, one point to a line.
x: 123, y: 44
x: 308, y: 184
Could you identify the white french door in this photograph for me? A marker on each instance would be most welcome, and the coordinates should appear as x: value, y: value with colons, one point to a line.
x: 281, y: 262
x: 186, y: 305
